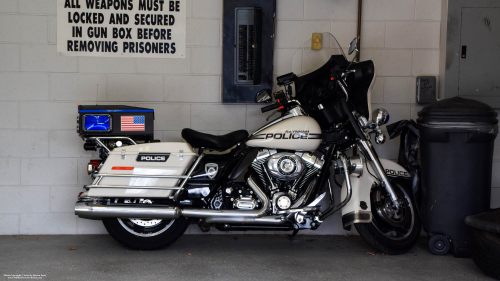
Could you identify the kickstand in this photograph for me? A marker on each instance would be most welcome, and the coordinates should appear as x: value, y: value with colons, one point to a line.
x: 291, y: 236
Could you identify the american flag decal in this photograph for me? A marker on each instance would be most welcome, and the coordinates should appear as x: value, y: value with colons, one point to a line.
x: 132, y: 123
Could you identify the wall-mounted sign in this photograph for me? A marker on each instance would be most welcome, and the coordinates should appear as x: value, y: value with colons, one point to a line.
x: 122, y: 28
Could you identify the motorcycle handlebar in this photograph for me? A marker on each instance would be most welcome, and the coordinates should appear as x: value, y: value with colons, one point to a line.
x: 270, y: 107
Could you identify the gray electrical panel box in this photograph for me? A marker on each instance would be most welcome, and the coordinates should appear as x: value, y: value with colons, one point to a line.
x: 248, y: 45
x: 247, y: 57
x: 426, y: 89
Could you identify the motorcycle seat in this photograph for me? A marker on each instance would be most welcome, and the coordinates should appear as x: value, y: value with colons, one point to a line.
x: 198, y: 139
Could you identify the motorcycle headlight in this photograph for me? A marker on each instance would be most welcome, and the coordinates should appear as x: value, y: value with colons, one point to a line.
x: 380, y: 116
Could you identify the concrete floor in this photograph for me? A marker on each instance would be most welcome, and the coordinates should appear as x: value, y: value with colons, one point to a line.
x: 224, y: 257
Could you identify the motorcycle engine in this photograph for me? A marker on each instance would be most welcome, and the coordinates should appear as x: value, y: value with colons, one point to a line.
x: 284, y: 175
x: 285, y: 166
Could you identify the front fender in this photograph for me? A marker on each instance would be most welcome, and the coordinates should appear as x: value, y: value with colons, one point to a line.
x: 358, y: 209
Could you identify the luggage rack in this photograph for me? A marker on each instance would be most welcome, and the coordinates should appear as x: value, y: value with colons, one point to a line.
x: 101, y: 144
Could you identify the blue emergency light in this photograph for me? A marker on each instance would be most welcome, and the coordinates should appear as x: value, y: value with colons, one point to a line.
x: 97, y: 122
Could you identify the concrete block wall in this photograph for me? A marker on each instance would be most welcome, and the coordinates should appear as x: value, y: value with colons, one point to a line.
x: 42, y: 162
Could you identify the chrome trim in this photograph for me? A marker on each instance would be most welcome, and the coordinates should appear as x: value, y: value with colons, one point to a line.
x: 181, y: 187
x: 357, y: 165
x: 140, y: 176
x: 245, y: 203
x: 98, y: 140
x: 300, y: 210
x: 329, y: 212
x: 356, y: 217
x: 294, y: 112
x: 275, y: 208
x: 297, y: 111
x: 204, y: 213
x: 317, y: 200
x: 115, y: 138
x: 306, y: 194
x: 379, y: 116
x: 85, y: 199
x: 127, y: 228
x: 83, y: 210
x: 131, y: 187
x: 267, y: 220
x: 89, y: 211
x: 98, y: 181
x: 311, y: 160
x: 276, y: 162
x: 366, y: 145
x: 342, y: 86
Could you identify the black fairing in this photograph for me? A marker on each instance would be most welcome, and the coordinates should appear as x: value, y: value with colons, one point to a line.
x: 359, y: 83
x: 317, y: 88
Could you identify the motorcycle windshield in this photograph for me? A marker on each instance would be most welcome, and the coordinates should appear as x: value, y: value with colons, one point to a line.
x: 312, y: 66
x: 306, y: 59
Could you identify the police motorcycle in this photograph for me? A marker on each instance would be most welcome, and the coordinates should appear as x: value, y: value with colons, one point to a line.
x: 281, y: 177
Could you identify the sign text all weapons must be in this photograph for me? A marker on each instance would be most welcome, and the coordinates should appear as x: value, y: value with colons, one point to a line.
x: 122, y: 28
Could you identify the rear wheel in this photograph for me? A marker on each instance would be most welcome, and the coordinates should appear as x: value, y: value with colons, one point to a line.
x: 392, y: 231
x: 146, y: 234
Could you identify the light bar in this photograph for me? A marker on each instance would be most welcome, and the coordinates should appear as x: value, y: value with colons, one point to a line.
x: 97, y: 122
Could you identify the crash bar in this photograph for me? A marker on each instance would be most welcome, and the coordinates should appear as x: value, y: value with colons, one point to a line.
x: 131, y: 187
x: 140, y: 176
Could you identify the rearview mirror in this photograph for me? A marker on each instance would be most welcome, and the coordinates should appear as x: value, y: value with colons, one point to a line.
x: 263, y: 96
x: 353, y: 46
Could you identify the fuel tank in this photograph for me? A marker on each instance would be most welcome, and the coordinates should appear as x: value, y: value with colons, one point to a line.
x: 300, y: 133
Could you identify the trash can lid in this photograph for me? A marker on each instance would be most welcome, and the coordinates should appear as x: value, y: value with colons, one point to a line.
x: 458, y: 109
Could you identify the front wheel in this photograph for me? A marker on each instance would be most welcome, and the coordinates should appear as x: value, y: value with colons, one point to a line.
x: 401, y: 234
x: 146, y: 234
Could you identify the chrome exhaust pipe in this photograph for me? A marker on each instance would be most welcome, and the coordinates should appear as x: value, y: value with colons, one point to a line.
x: 204, y: 213
x: 268, y: 220
x: 97, y: 212
x: 85, y: 211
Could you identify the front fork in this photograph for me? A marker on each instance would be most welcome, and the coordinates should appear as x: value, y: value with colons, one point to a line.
x: 367, y: 147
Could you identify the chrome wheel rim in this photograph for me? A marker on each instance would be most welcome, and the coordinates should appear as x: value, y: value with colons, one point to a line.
x: 146, y: 223
x: 146, y: 227
x: 391, y: 232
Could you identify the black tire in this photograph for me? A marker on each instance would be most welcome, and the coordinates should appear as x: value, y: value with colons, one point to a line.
x: 486, y: 251
x: 378, y: 233
x: 154, y: 237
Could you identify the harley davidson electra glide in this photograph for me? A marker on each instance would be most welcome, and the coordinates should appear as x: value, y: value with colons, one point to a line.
x: 274, y: 179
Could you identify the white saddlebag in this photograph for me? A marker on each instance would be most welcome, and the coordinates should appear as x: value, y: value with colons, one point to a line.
x: 144, y: 159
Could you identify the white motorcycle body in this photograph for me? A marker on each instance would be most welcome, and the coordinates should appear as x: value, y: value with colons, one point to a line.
x: 300, y: 133
x: 358, y: 209
x: 178, y: 156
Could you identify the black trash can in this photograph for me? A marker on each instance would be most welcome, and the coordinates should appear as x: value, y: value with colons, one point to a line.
x: 456, y: 139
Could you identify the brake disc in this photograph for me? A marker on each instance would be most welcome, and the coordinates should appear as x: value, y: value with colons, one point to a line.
x: 395, y: 217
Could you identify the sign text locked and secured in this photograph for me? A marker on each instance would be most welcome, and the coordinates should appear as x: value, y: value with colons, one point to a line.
x: 122, y: 28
